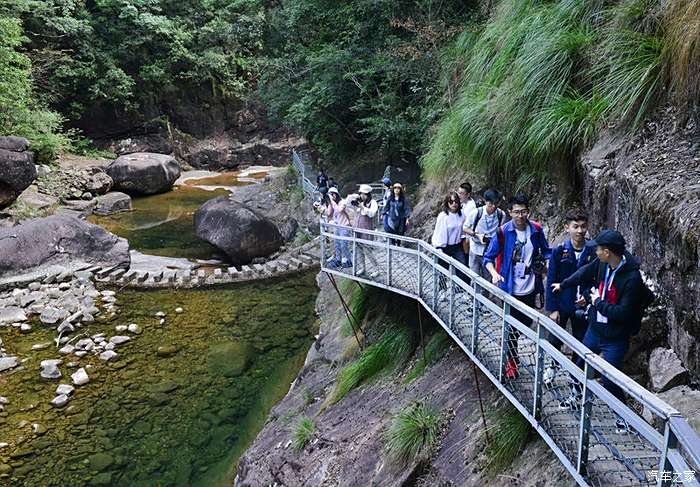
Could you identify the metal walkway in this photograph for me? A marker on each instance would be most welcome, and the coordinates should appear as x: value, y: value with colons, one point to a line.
x: 479, y: 318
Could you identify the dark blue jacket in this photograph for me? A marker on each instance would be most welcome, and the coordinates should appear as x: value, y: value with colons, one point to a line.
x: 501, y: 253
x: 563, y: 264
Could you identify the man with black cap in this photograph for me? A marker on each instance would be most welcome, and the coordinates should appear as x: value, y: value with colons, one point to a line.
x: 617, y: 297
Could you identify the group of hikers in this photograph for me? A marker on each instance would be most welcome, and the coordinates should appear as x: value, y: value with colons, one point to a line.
x: 593, y: 286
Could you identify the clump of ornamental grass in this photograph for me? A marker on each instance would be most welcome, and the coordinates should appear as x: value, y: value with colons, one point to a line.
x: 507, y: 436
x: 434, y: 350
x: 302, y: 433
x: 412, y: 433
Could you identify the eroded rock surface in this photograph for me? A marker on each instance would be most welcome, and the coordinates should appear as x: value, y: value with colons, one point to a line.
x: 17, y: 170
x: 59, y: 240
x: 144, y: 172
x: 237, y: 230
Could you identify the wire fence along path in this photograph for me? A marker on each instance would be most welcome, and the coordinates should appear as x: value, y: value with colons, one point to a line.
x: 479, y: 317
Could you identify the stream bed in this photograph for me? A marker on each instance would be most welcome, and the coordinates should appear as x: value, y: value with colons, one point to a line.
x: 180, y: 404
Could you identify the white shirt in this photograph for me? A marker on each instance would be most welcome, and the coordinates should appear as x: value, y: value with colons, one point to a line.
x: 525, y: 285
x: 468, y: 206
x: 487, y: 225
x: 448, y: 229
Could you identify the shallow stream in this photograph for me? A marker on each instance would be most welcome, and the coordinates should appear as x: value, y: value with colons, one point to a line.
x: 179, y: 406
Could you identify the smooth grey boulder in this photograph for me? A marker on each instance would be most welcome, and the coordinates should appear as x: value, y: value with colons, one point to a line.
x: 17, y: 169
x: 665, y: 370
x: 99, y: 183
x: 236, y: 229
x: 144, y: 172
x: 59, y: 240
x: 113, y: 202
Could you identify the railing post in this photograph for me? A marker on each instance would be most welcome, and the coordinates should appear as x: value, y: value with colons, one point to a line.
x: 452, y: 297
x: 435, y: 283
x: 585, y: 423
x: 420, y: 272
x: 475, y: 316
x: 665, y: 474
x: 504, y: 340
x: 323, y: 245
x: 354, y: 254
x: 388, y: 262
x: 539, y: 367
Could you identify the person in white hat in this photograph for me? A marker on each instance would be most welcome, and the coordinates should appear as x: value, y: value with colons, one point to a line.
x: 365, y: 212
x: 338, y: 211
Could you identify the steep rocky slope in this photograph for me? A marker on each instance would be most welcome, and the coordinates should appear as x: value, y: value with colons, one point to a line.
x: 349, y: 439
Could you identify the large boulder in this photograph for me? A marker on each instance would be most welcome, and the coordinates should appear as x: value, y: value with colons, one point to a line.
x: 665, y: 370
x: 113, y: 202
x: 236, y: 229
x: 17, y: 170
x: 59, y: 240
x: 144, y: 173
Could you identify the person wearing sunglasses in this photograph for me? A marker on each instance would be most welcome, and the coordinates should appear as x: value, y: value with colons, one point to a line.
x: 448, y: 235
x: 516, y: 261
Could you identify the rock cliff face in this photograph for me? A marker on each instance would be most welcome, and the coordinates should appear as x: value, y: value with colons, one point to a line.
x: 649, y: 189
x: 349, y: 445
x: 17, y: 170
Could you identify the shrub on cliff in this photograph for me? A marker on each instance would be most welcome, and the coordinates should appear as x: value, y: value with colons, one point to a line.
x: 412, y: 433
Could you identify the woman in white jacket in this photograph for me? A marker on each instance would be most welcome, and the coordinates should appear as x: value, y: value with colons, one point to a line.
x: 365, y: 213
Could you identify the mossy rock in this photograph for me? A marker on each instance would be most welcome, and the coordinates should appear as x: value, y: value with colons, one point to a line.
x: 229, y: 359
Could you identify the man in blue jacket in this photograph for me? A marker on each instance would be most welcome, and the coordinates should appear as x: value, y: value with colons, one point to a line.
x: 566, y: 259
x: 516, y: 261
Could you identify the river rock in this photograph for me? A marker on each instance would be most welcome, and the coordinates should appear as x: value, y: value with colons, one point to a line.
x: 229, y: 359
x: 80, y: 377
x: 7, y: 363
x: 60, y: 400
x: 107, y: 355
x: 166, y: 350
x: 119, y: 339
x: 134, y: 328
x: 144, y: 172
x: 49, y: 369
x: 11, y: 314
x: 51, y: 315
x: 66, y: 389
x: 99, y: 183
x: 17, y: 170
x: 665, y: 370
x: 59, y: 240
x: 66, y: 349
x: 236, y: 229
x: 686, y: 401
x: 39, y: 429
x: 113, y: 202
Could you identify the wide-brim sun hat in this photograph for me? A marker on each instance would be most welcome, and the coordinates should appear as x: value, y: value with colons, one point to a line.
x: 334, y: 190
x: 365, y: 188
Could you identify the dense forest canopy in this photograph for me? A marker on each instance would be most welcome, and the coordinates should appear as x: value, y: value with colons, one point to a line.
x: 508, y: 85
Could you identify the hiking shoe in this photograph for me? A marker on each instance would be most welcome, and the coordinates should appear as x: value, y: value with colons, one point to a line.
x: 511, y: 369
x: 550, y: 372
x: 621, y: 426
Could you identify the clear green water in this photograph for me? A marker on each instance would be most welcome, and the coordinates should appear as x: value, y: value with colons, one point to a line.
x: 162, y: 224
x: 148, y: 420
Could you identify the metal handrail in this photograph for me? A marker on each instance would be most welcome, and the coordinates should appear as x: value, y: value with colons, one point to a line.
x: 679, y: 443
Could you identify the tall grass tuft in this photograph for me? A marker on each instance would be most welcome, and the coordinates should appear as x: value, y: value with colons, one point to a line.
x: 508, y: 435
x: 681, y: 53
x: 434, y: 351
x: 359, y: 303
x: 392, y: 349
x: 412, y: 433
x: 302, y: 432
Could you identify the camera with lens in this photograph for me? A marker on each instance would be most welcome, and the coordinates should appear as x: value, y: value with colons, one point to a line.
x: 539, y: 263
x: 582, y: 313
x: 486, y: 240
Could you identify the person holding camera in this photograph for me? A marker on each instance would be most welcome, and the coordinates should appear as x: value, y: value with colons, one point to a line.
x: 338, y: 212
x: 516, y: 261
x: 481, y: 225
x: 617, y: 299
x: 568, y: 305
x: 365, y: 211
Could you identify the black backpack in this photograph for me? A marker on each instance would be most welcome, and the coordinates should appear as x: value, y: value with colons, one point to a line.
x: 647, y: 299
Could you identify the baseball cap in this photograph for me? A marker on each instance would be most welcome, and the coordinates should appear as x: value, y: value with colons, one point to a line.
x: 386, y: 181
x: 610, y: 238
